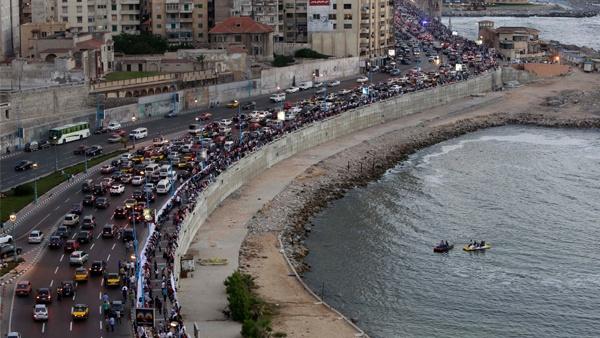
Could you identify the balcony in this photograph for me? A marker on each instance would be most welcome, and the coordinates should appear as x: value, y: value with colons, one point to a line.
x: 130, y: 2
x: 130, y: 22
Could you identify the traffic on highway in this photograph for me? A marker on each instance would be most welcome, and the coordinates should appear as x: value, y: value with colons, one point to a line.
x: 88, y: 242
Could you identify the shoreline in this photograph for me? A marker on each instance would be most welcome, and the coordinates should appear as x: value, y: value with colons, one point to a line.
x: 519, y: 14
x: 289, y: 213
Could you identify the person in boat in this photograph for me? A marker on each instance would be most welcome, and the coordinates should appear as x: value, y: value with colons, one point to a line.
x: 442, y: 244
x: 482, y: 244
x: 447, y: 245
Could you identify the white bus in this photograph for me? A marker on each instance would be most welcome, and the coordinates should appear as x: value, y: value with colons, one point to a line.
x: 69, y: 132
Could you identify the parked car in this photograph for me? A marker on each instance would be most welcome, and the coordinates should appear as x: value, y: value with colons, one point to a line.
x: 35, y: 237
x: 24, y: 165
x: 8, y: 250
x: 23, y: 288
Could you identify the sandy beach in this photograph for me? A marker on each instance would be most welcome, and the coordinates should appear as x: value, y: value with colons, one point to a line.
x: 282, y: 199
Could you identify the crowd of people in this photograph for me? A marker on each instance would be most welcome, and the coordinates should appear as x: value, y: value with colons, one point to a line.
x: 253, y: 133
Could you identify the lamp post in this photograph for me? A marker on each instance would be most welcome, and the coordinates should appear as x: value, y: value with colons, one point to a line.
x: 54, y: 139
x: 280, y: 102
x: 13, y: 219
x: 35, y: 193
x: 133, y: 118
x: 240, y: 123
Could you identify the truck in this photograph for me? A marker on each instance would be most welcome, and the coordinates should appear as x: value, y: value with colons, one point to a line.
x: 588, y: 66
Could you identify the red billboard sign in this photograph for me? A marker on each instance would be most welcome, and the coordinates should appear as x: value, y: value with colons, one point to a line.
x: 318, y: 2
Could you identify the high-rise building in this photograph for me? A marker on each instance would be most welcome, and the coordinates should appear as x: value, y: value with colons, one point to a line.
x: 24, y: 11
x: 180, y: 21
x: 270, y: 13
x: 116, y: 16
x: 242, y: 8
x: 219, y: 11
x: 9, y: 28
x: 351, y: 27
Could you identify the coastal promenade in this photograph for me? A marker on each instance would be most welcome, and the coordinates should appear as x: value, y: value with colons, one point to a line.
x: 264, y: 205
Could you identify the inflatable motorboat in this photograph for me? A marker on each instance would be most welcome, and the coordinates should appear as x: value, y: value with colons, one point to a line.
x: 443, y: 248
x: 477, y: 248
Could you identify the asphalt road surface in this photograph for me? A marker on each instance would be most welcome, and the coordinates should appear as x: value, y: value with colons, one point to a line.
x: 62, y: 156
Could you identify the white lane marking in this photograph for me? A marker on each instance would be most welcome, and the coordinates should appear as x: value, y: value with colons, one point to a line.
x: 75, y: 234
x: 61, y: 257
x: 43, y: 327
x: 40, y: 222
x: 100, y: 311
x: 100, y: 234
x: 71, y: 326
x: 67, y: 200
x: 112, y: 217
x: 91, y: 247
x: 57, y: 207
x: 56, y: 270
x: 113, y: 247
x: 51, y: 283
x: 74, y: 296
x: 100, y: 295
x: 100, y: 325
x: 102, y: 282
x: 108, y: 258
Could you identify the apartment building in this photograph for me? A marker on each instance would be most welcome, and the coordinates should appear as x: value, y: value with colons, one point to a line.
x: 270, y: 13
x: 242, y: 8
x: 219, y: 11
x: 351, y: 27
x: 116, y: 16
x: 295, y: 24
x: 243, y: 33
x: 180, y: 21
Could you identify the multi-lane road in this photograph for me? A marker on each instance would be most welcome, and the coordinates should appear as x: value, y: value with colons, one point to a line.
x: 62, y: 155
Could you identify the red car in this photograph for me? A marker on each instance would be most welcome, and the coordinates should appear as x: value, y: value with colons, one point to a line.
x: 204, y: 117
x: 71, y: 245
x: 23, y: 288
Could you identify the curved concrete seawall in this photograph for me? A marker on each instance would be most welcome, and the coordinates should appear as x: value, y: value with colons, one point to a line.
x: 252, y: 165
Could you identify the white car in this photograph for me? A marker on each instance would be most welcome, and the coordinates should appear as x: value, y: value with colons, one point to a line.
x: 320, y: 90
x: 114, y: 125
x: 224, y: 130
x: 317, y: 84
x: 226, y: 122
x: 279, y: 97
x: 295, y: 110
x: 396, y: 88
x: 334, y: 83
x: 117, y: 189
x: 137, y: 180
x: 345, y: 91
x: 149, y: 187
x: 71, y: 219
x: 35, y: 237
x: 292, y: 90
x: 40, y: 312
x: 6, y: 238
x: 362, y: 79
x: 78, y: 258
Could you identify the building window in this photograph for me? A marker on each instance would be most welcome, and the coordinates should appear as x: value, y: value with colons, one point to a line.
x: 199, y: 25
x: 158, y: 16
x: 79, y: 19
x: 317, y: 16
x: 347, y: 26
x: 79, y: 9
x: 200, y: 35
x: 65, y: 19
x: 114, y: 28
x: 334, y: 6
x: 158, y: 26
x: 332, y: 17
x: 44, y: 34
x: 347, y: 16
x: 113, y: 7
x: 238, y: 38
x: 334, y: 25
x: 347, y: 6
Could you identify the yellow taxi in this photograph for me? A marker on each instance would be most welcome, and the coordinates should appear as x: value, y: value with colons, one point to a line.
x: 182, y: 165
x: 80, y: 312
x: 188, y: 157
x: 137, y: 158
x: 81, y: 274
x: 233, y: 104
x: 113, y: 279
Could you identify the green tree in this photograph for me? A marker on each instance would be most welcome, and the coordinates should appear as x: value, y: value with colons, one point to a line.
x: 140, y: 44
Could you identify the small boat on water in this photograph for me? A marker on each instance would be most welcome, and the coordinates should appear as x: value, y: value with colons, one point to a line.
x: 477, y: 247
x: 443, y: 248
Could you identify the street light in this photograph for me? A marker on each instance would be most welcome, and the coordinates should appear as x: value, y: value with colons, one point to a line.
x: 133, y: 118
x: 35, y: 194
x: 13, y: 219
x: 54, y: 139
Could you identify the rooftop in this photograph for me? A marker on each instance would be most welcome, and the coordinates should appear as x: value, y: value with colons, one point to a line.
x: 517, y: 30
x: 240, y: 24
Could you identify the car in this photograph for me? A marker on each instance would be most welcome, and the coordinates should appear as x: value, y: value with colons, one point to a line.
x: 100, y: 130
x: 135, y: 217
x: 113, y: 125
x: 102, y: 203
x: 76, y: 208
x: 93, y: 151
x: 318, y: 84
x: 23, y: 288
x: 78, y: 257
x: 233, y: 104
x: 345, y: 91
x: 225, y: 122
x: 89, y: 200
x: 88, y: 223
x: 334, y: 83
x: 81, y: 274
x: 321, y: 90
x: 138, y: 195
x: 71, y: 219
x: 8, y: 250
x: 120, y: 213
x: 129, y: 203
x: 13, y: 334
x: 55, y: 242
x: 128, y: 235
x: 117, y: 189
x: 206, y: 116
x: 149, y: 196
x: 137, y: 180
x: 117, y: 305
x: 24, y: 165
x: 107, y: 182
x: 249, y: 105
x: 113, y: 280
x: 107, y: 169
x: 63, y: 231
x: 80, y: 150
x: 66, y: 288
x: 108, y: 231
x: 80, y: 312
x: 97, y: 268
x: 6, y: 238
x: 149, y: 187
x: 35, y: 237
x: 139, y: 206
x: 395, y: 72
x: 43, y: 296
x: 292, y: 90
x: 40, y: 312
x: 125, y: 178
x: 84, y: 236
x: 71, y: 245
x: 362, y: 79
x: 87, y: 185
x: 277, y: 97
x: 114, y: 138
x: 171, y: 114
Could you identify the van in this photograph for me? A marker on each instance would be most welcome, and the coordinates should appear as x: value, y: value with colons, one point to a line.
x: 195, y: 129
x: 165, y: 170
x: 151, y: 168
x: 279, y: 97
x: 306, y: 85
x: 163, y: 186
x: 138, y: 133
x: 87, y: 185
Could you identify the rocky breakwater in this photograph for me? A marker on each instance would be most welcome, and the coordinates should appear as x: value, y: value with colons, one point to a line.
x: 330, y: 179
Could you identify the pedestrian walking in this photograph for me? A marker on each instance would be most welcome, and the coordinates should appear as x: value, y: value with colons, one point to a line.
x: 111, y: 321
x: 164, y: 293
x: 107, y: 324
x: 124, y: 292
x: 118, y: 315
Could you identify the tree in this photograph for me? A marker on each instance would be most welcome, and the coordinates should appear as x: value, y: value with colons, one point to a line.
x: 140, y: 44
x: 200, y: 58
